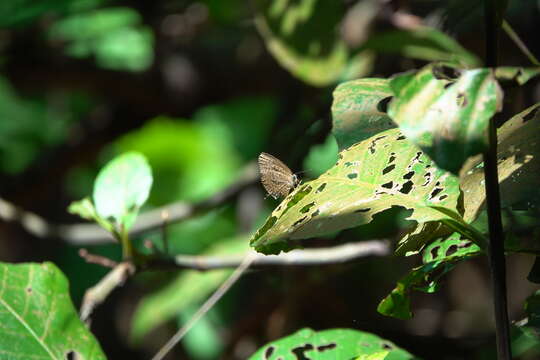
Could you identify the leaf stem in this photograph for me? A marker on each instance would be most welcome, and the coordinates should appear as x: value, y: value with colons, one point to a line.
x: 495, y: 251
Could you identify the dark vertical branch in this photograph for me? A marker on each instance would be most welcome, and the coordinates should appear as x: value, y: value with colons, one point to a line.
x: 496, y: 236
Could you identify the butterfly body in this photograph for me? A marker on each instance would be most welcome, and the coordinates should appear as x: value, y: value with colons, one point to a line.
x: 277, y: 179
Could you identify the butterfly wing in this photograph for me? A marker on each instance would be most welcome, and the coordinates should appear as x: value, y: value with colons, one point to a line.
x: 277, y: 179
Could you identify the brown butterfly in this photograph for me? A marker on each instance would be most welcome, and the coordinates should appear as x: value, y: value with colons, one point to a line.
x: 276, y: 177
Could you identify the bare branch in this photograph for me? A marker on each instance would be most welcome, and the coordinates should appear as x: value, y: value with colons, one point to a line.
x: 91, y: 234
x: 99, y: 292
x: 306, y: 257
x: 97, y: 259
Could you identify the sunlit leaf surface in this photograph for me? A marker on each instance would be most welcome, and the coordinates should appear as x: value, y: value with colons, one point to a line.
x: 518, y: 155
x: 447, y: 119
x: 122, y: 187
x: 358, y: 110
x: 372, y: 176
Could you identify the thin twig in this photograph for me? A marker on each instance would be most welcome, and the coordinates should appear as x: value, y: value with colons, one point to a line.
x: 164, y: 235
x: 212, y: 300
x: 519, y: 43
x: 305, y: 257
x: 99, y: 292
x: 97, y: 259
x: 91, y: 234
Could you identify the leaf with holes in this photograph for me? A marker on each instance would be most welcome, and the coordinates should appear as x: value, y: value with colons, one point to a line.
x: 518, y: 157
x: 37, y: 316
x: 370, y: 177
x: 122, y: 187
x: 448, y: 120
x: 439, y: 258
x: 359, y: 110
x: 304, y: 38
x: 330, y: 345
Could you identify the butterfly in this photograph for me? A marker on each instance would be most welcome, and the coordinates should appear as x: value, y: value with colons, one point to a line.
x: 277, y: 179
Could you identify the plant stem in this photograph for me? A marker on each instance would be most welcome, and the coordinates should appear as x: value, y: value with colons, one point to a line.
x: 496, y: 236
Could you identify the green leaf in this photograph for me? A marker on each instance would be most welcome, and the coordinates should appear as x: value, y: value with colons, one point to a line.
x: 447, y: 120
x: 423, y: 43
x: 195, y: 159
x: 330, y: 345
x: 85, y: 209
x: 370, y: 177
x: 358, y: 110
x: 527, y: 331
x: 520, y: 75
x: 37, y: 316
x: 439, y: 258
x: 188, y: 288
x: 518, y: 154
x: 122, y: 187
x: 304, y: 37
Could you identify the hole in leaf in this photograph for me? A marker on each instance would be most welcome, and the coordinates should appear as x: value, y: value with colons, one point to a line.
x: 340, y: 156
x: 352, y: 176
x: 529, y: 116
x: 407, y: 187
x: 435, y: 192
x: 315, y: 213
x: 382, y: 105
x: 408, y: 175
x: 445, y: 73
x: 306, y: 208
x: 434, y: 252
x: 373, y: 143
x: 462, y: 100
x: 70, y: 355
x: 443, y: 197
x: 326, y: 347
x: 389, y: 168
x: 388, y: 185
x: 401, y: 137
x: 427, y: 176
x: 320, y: 188
x: 465, y: 244
x: 417, y: 157
x: 300, y: 350
x: 392, y: 157
x: 348, y: 163
x: 299, y: 195
x: 297, y: 222
x: 269, y: 351
x: 386, y: 346
x: 362, y: 210
x: 451, y: 250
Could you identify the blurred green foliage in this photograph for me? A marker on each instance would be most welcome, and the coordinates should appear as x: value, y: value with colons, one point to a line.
x: 21, y: 12
x: 30, y: 125
x: 115, y: 36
